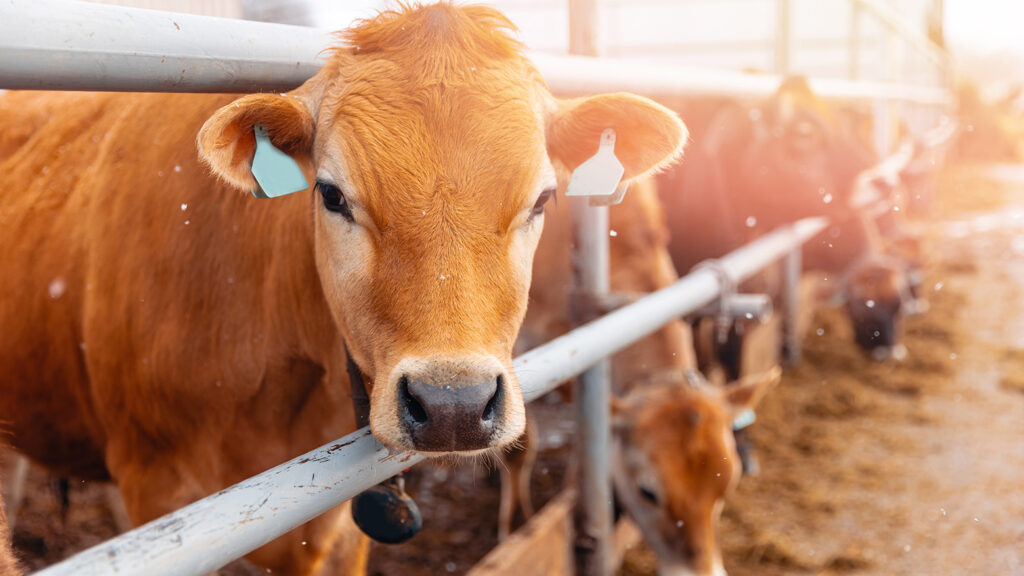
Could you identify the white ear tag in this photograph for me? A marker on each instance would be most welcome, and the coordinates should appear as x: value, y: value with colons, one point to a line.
x: 600, y: 174
x: 276, y: 173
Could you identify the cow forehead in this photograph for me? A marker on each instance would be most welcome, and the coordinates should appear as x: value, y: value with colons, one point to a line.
x: 434, y: 102
x: 408, y: 150
x: 682, y: 423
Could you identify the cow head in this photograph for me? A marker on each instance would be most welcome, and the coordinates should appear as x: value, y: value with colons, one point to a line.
x: 877, y: 298
x: 434, y: 145
x: 675, y: 461
x: 797, y: 162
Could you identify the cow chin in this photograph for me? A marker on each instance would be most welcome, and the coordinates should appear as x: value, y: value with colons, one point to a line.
x: 451, y: 405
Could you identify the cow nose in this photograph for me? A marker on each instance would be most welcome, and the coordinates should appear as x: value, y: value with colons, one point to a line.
x: 454, y: 412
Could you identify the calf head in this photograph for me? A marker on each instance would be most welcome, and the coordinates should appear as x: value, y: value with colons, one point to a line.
x: 675, y: 461
x: 877, y: 297
x: 434, y: 145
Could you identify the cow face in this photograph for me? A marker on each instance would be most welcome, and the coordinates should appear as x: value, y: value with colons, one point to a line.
x: 434, y: 146
x: 877, y: 298
x: 674, y: 463
x: 797, y: 162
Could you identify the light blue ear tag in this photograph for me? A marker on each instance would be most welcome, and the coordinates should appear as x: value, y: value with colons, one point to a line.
x: 276, y: 173
x: 745, y: 418
x: 600, y: 174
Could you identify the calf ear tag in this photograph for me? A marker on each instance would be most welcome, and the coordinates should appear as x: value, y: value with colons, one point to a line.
x: 600, y: 174
x: 276, y: 173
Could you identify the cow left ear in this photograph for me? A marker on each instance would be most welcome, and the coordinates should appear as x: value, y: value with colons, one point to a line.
x: 227, y: 141
x: 748, y: 392
x: 648, y: 136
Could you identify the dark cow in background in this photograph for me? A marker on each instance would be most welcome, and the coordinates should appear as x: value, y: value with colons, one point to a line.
x: 754, y: 168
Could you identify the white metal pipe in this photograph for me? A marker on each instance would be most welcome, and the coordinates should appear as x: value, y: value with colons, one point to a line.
x: 593, y: 515
x: 211, y: 532
x: 65, y: 45
x: 583, y: 75
x: 592, y: 396
x: 61, y: 45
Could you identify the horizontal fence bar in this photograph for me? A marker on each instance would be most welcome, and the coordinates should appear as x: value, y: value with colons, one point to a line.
x: 64, y: 45
x: 60, y: 45
x: 583, y: 75
x: 211, y: 532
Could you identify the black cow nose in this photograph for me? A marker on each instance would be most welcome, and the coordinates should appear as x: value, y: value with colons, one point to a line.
x: 451, y: 414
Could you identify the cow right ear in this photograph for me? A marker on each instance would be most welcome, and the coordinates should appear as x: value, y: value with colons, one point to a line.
x: 227, y: 141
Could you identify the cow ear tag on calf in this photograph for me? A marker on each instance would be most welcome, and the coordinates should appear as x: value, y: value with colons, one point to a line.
x: 599, y: 176
x: 276, y: 173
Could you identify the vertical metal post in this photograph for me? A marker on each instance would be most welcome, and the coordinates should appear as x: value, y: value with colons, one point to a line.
x: 792, y: 266
x: 783, y: 37
x: 854, y: 62
x: 884, y: 108
x: 592, y: 390
x: 592, y: 394
x: 584, y: 24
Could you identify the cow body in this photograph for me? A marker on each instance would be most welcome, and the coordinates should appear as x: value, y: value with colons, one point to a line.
x: 168, y: 335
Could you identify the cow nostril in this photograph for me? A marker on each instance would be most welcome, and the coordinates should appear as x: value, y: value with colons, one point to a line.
x: 491, y: 409
x: 412, y: 405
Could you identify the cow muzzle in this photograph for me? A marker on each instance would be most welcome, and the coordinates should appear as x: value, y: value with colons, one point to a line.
x: 455, y: 404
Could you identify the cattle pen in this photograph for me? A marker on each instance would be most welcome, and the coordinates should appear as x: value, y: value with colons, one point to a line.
x: 108, y: 48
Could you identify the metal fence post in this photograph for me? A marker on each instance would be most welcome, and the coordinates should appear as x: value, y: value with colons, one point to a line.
x: 792, y: 266
x: 592, y: 390
x: 592, y: 393
x: 854, y: 62
x: 783, y: 37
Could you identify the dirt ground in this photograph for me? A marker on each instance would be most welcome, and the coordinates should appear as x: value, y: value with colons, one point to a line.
x: 900, y: 468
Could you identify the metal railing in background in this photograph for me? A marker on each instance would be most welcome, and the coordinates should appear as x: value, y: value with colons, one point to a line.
x: 135, y: 50
x: 125, y: 49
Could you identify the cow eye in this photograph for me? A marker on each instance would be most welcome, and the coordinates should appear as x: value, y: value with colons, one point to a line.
x: 648, y: 494
x: 334, y: 200
x: 538, y: 207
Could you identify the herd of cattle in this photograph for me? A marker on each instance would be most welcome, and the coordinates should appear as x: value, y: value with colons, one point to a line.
x: 164, y: 331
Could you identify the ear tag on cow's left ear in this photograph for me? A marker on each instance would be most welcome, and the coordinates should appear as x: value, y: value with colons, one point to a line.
x: 276, y: 173
x: 600, y: 174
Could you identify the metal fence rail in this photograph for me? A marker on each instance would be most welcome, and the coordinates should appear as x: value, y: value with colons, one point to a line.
x: 110, y: 48
x: 211, y: 532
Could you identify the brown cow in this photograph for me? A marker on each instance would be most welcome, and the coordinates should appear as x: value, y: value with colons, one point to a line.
x: 642, y: 373
x: 167, y: 331
x: 674, y: 461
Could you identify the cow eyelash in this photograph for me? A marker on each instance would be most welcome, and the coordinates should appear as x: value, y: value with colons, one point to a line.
x: 538, y: 207
x: 334, y: 199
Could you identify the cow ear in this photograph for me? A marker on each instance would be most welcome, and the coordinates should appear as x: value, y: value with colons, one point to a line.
x: 227, y: 142
x: 648, y: 136
x: 748, y: 392
x: 620, y: 414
